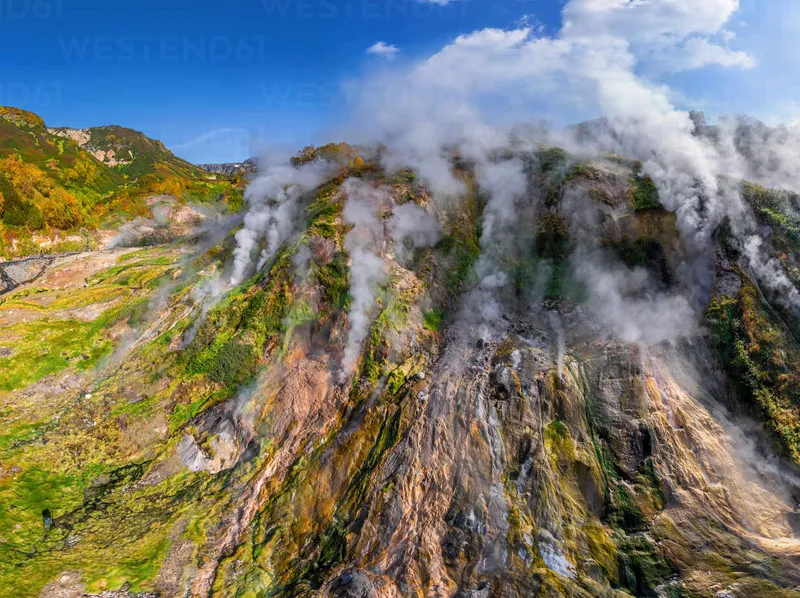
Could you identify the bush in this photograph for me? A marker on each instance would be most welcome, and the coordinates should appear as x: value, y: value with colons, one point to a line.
x: 335, y: 280
x: 644, y: 194
x: 233, y: 365
x: 552, y: 158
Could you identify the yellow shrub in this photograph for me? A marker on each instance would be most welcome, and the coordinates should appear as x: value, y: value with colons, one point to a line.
x: 60, y: 209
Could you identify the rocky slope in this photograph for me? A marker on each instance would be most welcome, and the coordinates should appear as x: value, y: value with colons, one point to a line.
x: 463, y: 408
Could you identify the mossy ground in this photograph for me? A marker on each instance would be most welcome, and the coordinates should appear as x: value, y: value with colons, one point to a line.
x: 80, y: 453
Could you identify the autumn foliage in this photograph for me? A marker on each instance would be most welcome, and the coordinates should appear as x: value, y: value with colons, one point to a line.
x: 57, y: 206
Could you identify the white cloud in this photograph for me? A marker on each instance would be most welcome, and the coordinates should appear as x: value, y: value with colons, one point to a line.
x: 383, y: 49
x: 646, y: 21
x: 699, y: 52
x: 238, y: 134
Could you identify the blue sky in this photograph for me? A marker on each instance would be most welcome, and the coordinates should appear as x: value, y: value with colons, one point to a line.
x: 208, y: 77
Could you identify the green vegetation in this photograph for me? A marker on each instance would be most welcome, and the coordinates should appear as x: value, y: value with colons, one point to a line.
x: 459, y: 247
x: 642, y: 567
x: 91, y: 481
x: 51, y: 339
x: 137, y: 154
x: 763, y: 359
x: 340, y: 153
x: 644, y: 193
x: 778, y: 211
x: 334, y: 277
x: 552, y: 240
x: 552, y: 159
x: 232, y: 365
x: 433, y: 320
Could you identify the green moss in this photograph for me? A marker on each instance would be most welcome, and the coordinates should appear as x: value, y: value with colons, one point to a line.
x: 645, y: 252
x: 625, y: 513
x: 135, y: 570
x: 557, y: 282
x: 117, y: 536
x: 603, y: 550
x: 334, y: 278
x: 642, y: 568
x: 459, y: 248
x: 49, y: 346
x: 26, y: 497
x: 552, y: 240
x: 300, y: 314
x: 559, y: 445
x: 638, y: 251
x: 432, y: 320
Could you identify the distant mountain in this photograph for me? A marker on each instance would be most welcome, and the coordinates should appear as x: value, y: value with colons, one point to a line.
x: 133, y: 153
x: 231, y: 168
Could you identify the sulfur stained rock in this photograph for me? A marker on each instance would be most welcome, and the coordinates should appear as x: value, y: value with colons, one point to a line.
x: 504, y: 383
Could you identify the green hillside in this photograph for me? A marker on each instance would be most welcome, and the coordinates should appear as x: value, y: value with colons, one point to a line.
x: 135, y: 153
x: 62, y: 180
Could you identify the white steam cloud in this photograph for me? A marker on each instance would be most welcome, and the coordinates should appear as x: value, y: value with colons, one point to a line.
x: 467, y: 99
x: 771, y: 274
x: 367, y: 270
x: 594, y: 65
x: 413, y: 225
x: 273, y: 209
x: 140, y: 229
x: 623, y: 301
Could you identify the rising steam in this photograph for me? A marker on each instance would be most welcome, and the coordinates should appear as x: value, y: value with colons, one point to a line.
x: 273, y: 210
x: 367, y: 269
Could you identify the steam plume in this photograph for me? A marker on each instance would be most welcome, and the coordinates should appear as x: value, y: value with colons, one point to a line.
x: 367, y: 270
x: 272, y: 213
